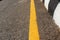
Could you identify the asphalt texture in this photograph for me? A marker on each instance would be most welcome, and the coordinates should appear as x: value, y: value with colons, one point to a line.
x: 14, y: 21
x: 47, y: 28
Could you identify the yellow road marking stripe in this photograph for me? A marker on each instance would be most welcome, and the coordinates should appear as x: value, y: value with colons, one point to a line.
x: 33, y: 28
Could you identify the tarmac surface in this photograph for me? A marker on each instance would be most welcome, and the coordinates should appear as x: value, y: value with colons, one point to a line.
x: 14, y: 21
x: 47, y: 28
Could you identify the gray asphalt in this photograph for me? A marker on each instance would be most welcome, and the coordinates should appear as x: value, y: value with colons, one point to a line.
x: 14, y: 21
x: 48, y: 30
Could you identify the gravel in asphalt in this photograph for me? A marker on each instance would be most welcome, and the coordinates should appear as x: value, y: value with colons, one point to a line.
x: 14, y: 19
x: 47, y: 28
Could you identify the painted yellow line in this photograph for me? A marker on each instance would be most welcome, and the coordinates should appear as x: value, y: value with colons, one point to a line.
x: 33, y: 27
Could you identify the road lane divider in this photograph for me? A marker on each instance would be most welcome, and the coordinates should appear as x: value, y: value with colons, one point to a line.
x: 33, y: 27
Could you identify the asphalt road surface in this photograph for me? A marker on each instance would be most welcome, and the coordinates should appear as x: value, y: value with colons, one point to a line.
x: 47, y: 28
x: 14, y: 21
